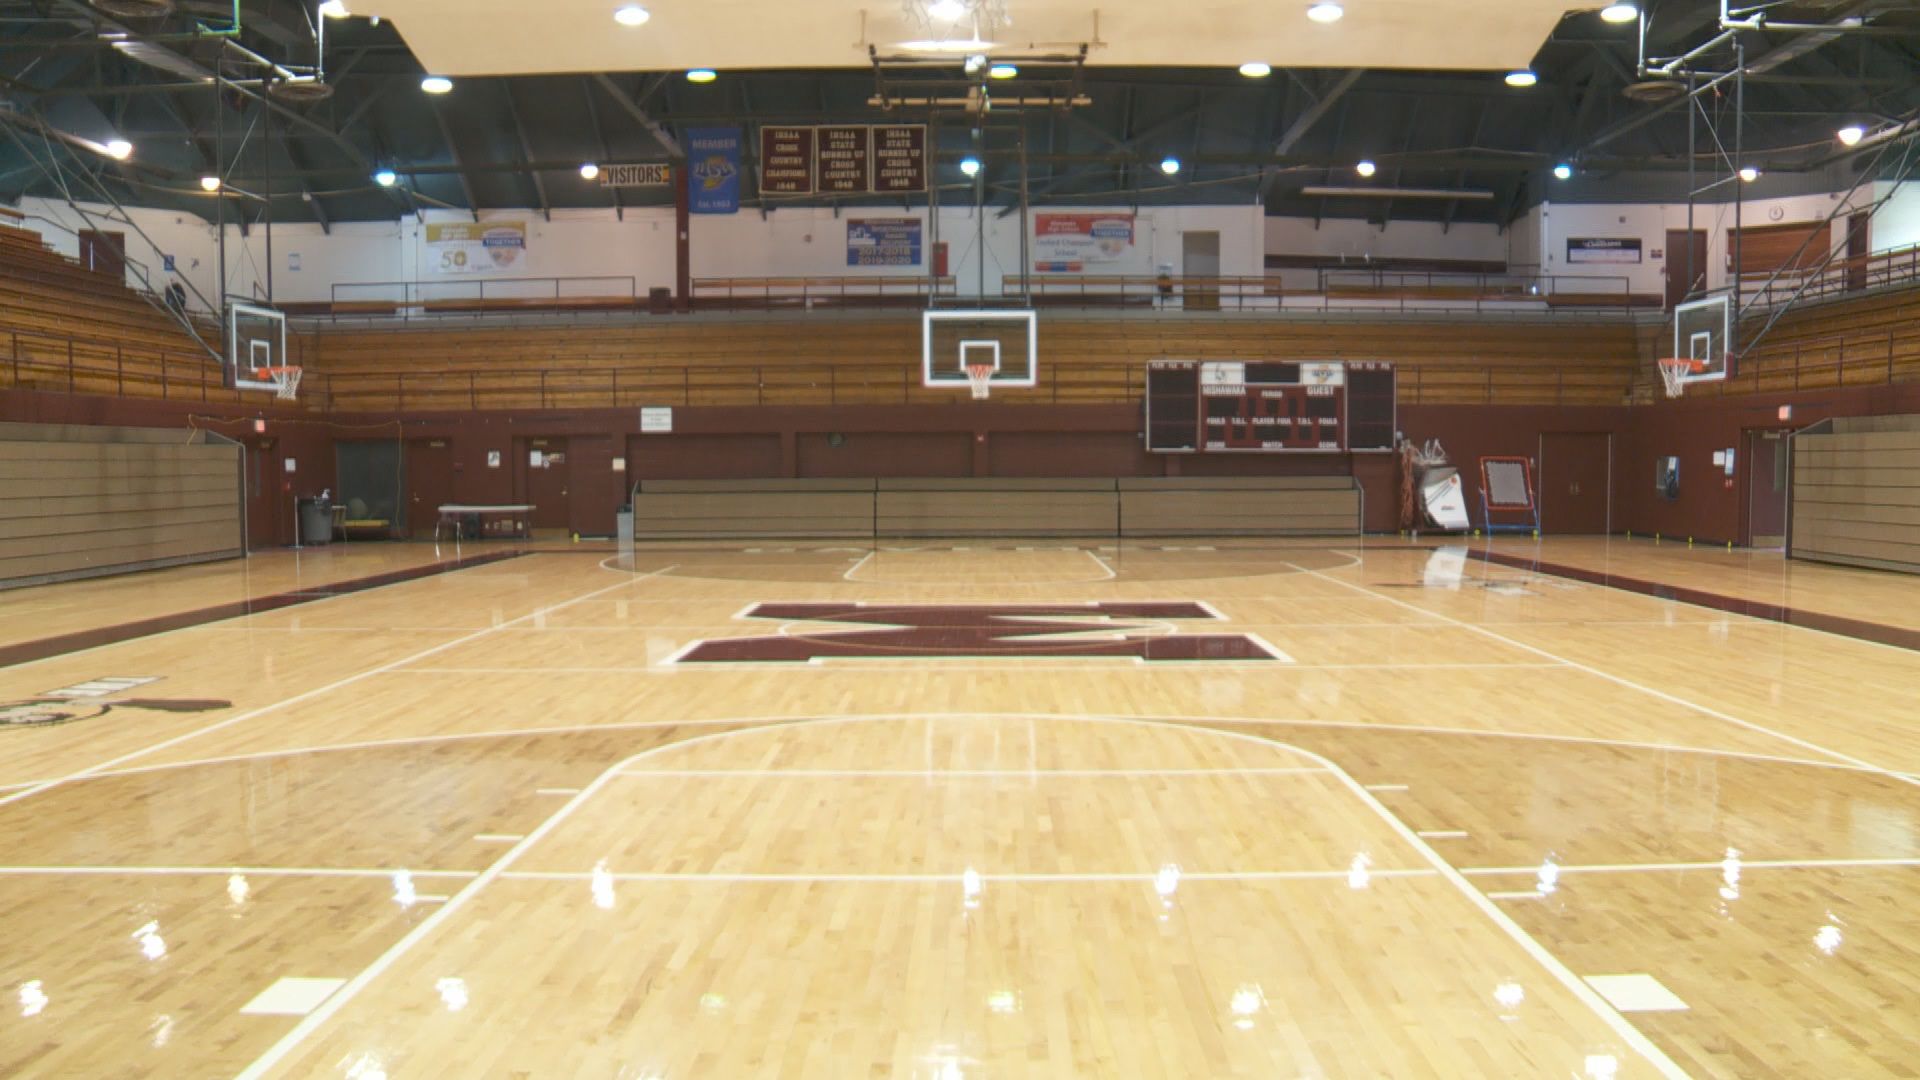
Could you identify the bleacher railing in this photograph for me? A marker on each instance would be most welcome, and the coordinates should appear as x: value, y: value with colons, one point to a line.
x: 1336, y: 290
x: 1838, y: 278
x: 75, y: 364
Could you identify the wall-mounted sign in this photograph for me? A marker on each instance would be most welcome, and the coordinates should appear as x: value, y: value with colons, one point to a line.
x: 493, y: 459
x: 883, y: 241
x: 469, y: 247
x: 1066, y: 243
x: 636, y: 175
x: 843, y: 159
x: 656, y: 420
x: 1615, y: 250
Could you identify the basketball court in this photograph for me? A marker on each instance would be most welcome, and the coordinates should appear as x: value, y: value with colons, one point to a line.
x: 1439, y: 817
x: 1349, y: 539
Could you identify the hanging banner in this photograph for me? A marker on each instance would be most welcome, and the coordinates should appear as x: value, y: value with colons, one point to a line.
x: 845, y: 157
x: 1068, y: 243
x: 713, y: 170
x: 883, y: 242
x: 900, y: 158
x: 636, y: 175
x: 1603, y: 250
x: 467, y: 247
x: 786, y: 160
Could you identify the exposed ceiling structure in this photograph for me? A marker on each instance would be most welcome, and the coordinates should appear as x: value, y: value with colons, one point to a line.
x: 472, y: 37
x: 1460, y: 146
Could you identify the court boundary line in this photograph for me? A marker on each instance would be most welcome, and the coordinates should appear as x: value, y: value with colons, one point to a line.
x: 976, y: 774
x: 1583, y: 993
x: 1621, y: 680
x: 777, y: 721
x: 315, y: 692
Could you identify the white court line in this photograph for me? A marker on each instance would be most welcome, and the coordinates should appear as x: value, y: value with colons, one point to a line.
x: 1716, y: 865
x: 1442, y: 834
x: 1573, y: 983
x: 1054, y: 663
x: 1014, y: 878
x: 1104, y: 566
x: 317, y: 691
x: 1528, y: 894
x: 1203, y: 723
x: 976, y: 773
x: 249, y: 871
x: 856, y: 566
x: 1674, y: 699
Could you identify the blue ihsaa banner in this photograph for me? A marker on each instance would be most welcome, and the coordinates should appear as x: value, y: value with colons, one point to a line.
x: 713, y: 170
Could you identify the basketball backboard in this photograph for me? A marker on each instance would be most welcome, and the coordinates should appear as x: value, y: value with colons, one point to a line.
x: 256, y: 340
x: 1006, y: 340
x: 1703, y: 332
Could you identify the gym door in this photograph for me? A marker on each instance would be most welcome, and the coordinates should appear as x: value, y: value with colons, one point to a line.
x: 1766, y: 489
x: 1575, y: 483
x: 429, y: 484
x: 544, y: 466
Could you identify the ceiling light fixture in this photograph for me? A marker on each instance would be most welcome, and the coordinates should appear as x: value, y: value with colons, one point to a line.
x: 335, y: 9
x: 209, y: 183
x: 946, y: 10
x: 121, y: 149
x: 1326, y: 11
x: 1002, y: 71
x: 1365, y: 168
x: 1849, y: 135
x: 385, y: 178
x: 1170, y: 166
x: 1619, y: 13
x: 702, y: 75
x: 1254, y: 69
x: 1749, y: 174
x: 1563, y: 171
x: 1522, y: 78
x: 632, y: 15
x: 436, y: 84
x: 589, y: 171
x: 970, y: 166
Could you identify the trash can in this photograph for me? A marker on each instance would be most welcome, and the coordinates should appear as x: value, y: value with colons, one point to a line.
x: 659, y: 301
x: 624, y: 522
x: 316, y: 521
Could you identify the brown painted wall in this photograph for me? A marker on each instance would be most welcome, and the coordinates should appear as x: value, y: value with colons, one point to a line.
x: 993, y: 440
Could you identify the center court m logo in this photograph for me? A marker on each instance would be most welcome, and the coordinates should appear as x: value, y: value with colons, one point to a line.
x: 993, y: 631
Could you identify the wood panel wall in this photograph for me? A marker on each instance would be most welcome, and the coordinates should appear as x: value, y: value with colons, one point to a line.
x: 1856, y: 493
x: 86, y: 501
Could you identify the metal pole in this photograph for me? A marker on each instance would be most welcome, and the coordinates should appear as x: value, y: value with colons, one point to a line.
x: 1026, y: 264
x: 1739, y: 196
x: 220, y: 193
x: 1693, y: 121
x: 980, y: 211
x: 266, y: 157
x: 932, y: 167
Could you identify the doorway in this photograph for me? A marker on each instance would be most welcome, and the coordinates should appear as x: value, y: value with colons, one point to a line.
x: 104, y: 253
x: 545, y: 482
x: 1686, y: 265
x: 1576, y: 483
x: 429, y: 484
x: 1200, y: 267
x: 1858, y: 247
x: 1767, y: 455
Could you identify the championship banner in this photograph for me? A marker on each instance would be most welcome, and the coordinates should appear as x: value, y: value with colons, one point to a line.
x: 1603, y: 250
x: 713, y: 170
x: 635, y: 175
x: 1067, y: 243
x: 786, y: 161
x: 883, y: 242
x: 475, y: 247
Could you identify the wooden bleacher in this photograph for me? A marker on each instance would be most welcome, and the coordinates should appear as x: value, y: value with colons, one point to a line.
x: 68, y: 329
x: 874, y: 359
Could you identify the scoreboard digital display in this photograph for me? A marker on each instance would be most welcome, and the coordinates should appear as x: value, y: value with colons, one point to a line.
x: 1269, y: 406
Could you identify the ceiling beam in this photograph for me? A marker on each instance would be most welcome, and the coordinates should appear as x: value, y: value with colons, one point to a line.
x: 654, y: 128
x: 459, y: 165
x: 606, y: 150
x: 1304, y: 123
x: 526, y: 151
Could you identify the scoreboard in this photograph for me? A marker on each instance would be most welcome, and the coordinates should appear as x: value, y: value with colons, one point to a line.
x: 1269, y: 406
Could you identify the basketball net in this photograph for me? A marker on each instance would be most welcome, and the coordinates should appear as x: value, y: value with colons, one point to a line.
x: 980, y: 378
x: 1674, y: 372
x: 285, y: 380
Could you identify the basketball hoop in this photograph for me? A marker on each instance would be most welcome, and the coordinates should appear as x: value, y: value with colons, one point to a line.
x: 285, y: 380
x: 980, y: 378
x: 1674, y: 371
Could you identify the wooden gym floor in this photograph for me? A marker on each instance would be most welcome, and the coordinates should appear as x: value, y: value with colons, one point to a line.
x: 1182, y: 809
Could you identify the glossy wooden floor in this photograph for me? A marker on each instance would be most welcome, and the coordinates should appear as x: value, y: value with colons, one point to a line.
x: 528, y: 842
